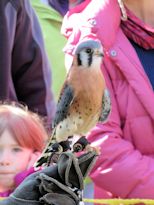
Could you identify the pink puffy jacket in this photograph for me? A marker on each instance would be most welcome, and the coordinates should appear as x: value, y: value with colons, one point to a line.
x: 125, y: 167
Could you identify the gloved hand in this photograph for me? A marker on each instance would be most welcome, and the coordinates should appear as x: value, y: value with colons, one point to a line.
x: 56, y: 185
x: 68, y: 188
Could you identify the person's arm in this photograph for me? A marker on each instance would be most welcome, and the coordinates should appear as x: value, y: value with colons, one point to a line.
x: 121, y: 168
x: 30, y: 67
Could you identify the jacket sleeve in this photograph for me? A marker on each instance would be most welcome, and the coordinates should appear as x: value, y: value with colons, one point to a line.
x: 30, y: 67
x: 120, y: 169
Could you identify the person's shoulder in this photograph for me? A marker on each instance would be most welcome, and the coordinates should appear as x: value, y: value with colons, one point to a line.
x: 16, y: 4
x: 100, y: 17
x: 95, y: 13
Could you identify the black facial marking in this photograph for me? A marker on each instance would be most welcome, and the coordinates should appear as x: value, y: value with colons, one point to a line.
x: 90, y: 59
x: 79, y: 59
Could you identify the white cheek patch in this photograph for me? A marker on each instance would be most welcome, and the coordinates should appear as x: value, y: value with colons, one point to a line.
x: 84, y: 58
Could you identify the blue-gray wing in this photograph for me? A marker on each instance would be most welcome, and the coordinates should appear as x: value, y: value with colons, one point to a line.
x: 63, y: 104
x: 106, y: 106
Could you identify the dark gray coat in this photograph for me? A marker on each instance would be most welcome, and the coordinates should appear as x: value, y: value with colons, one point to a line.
x: 25, y: 74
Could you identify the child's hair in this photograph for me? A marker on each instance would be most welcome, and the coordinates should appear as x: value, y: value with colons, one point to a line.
x: 27, y: 127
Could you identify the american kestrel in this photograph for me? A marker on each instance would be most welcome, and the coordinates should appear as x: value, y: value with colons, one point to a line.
x: 84, y: 99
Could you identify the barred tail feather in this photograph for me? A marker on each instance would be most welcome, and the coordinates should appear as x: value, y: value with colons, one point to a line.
x: 43, y: 159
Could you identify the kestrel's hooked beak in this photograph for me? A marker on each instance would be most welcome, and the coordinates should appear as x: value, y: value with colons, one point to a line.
x: 98, y: 53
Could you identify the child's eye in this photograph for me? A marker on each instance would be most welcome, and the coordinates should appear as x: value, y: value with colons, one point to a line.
x: 17, y: 149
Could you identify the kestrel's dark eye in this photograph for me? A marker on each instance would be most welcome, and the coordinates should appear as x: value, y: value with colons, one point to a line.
x: 88, y: 50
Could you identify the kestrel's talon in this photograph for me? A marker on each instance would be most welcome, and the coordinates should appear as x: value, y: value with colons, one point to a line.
x: 90, y: 148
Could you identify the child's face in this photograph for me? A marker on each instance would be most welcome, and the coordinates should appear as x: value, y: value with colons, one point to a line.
x: 13, y: 159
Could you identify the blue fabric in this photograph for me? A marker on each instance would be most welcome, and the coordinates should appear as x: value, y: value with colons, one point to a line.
x: 147, y: 59
x: 60, y: 5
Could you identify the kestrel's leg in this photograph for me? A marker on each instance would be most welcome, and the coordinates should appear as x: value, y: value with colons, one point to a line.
x: 56, y: 149
x: 83, y: 144
x: 80, y: 145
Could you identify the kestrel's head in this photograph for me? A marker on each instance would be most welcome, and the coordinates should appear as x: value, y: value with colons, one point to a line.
x: 89, y: 54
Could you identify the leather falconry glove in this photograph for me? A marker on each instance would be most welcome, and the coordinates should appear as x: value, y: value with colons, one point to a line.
x: 68, y: 189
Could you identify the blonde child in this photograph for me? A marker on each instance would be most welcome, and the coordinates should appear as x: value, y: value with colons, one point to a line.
x: 22, y: 138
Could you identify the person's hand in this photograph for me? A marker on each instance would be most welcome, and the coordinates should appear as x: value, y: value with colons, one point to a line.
x: 72, y: 171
